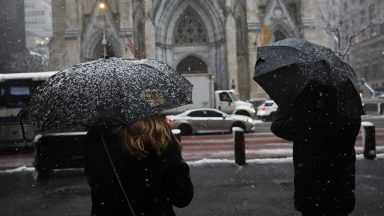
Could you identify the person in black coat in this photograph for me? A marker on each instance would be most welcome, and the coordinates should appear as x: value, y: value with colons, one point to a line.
x: 148, y: 162
x: 323, y: 151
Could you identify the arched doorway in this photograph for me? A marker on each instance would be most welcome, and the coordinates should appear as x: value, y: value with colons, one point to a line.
x: 192, y: 65
x: 279, y: 35
x: 190, y: 28
x: 99, y: 50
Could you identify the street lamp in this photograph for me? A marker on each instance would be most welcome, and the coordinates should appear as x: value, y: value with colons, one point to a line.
x: 104, y: 40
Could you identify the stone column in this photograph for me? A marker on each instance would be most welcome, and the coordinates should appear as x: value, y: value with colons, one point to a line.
x: 230, y: 33
x: 150, y: 40
x: 72, y: 32
x: 253, y: 23
x: 126, y: 25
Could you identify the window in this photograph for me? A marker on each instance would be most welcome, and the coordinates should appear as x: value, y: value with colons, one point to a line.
x: 382, y: 29
x: 213, y: 114
x: 190, y: 29
x: 372, y: 9
x: 225, y: 97
x: 362, y: 20
x: 197, y: 114
x: 16, y: 90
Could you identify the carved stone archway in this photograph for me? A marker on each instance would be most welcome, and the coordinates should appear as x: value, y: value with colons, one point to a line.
x: 209, y: 31
x: 91, y: 47
x: 192, y: 65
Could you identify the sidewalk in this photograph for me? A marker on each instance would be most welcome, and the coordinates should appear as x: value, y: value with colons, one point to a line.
x: 264, y: 187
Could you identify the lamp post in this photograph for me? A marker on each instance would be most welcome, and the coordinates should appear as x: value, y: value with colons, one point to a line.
x: 104, y: 40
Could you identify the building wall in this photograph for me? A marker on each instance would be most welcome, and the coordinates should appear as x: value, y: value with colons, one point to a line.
x: 38, y: 25
x: 12, y: 26
x: 147, y: 28
x: 363, y: 34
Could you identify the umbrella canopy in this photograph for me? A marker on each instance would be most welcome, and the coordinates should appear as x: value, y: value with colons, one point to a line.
x: 106, y: 92
x: 284, y: 68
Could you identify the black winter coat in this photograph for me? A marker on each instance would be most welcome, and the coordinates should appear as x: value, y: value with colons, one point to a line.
x: 323, y: 152
x: 153, y: 185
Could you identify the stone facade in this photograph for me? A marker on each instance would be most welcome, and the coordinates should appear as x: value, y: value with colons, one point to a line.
x: 219, y: 37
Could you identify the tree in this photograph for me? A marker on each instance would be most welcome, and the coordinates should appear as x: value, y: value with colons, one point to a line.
x: 334, y: 20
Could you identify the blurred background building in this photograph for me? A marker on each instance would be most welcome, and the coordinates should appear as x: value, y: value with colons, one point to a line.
x: 218, y: 37
x: 38, y: 26
x: 362, y: 28
x: 14, y: 56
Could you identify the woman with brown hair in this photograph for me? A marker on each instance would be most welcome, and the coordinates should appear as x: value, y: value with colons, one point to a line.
x: 136, y: 169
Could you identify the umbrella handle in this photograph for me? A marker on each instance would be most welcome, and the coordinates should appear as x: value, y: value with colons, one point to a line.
x: 117, y: 175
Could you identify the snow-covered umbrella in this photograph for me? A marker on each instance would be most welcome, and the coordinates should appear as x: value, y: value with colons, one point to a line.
x: 284, y: 68
x: 106, y: 92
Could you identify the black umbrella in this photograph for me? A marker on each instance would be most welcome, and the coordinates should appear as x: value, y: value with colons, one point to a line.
x: 106, y: 92
x: 284, y: 68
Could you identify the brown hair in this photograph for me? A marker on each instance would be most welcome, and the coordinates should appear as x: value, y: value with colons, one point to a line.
x: 149, y: 134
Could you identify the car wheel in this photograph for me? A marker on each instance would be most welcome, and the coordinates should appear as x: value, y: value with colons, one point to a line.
x: 185, y: 129
x: 242, y: 112
x: 238, y: 124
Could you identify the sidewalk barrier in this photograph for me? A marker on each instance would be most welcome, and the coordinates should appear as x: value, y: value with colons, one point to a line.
x: 177, y: 134
x: 57, y: 151
x: 369, y: 140
x: 239, y: 141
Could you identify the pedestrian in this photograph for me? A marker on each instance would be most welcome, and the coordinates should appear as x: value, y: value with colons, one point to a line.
x: 323, y: 151
x: 147, y: 175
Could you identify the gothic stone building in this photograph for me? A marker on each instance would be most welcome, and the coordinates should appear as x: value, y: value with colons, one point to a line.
x: 218, y: 37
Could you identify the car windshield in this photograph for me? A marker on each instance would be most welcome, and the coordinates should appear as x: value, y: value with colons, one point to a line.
x: 186, y: 90
x: 234, y: 96
x: 268, y: 104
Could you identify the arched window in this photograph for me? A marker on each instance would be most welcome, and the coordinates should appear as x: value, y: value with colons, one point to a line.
x: 191, y: 65
x: 190, y: 29
x: 279, y: 35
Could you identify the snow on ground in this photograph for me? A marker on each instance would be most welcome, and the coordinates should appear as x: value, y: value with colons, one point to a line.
x: 19, y: 169
x: 205, y: 162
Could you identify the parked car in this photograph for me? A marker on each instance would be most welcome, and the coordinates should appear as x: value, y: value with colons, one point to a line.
x: 257, y: 102
x: 267, y: 110
x: 209, y: 120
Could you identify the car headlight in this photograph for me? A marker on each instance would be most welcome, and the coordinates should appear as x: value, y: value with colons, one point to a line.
x: 248, y: 120
x: 253, y: 110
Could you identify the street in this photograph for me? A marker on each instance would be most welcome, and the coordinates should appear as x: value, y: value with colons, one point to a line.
x: 261, y: 144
